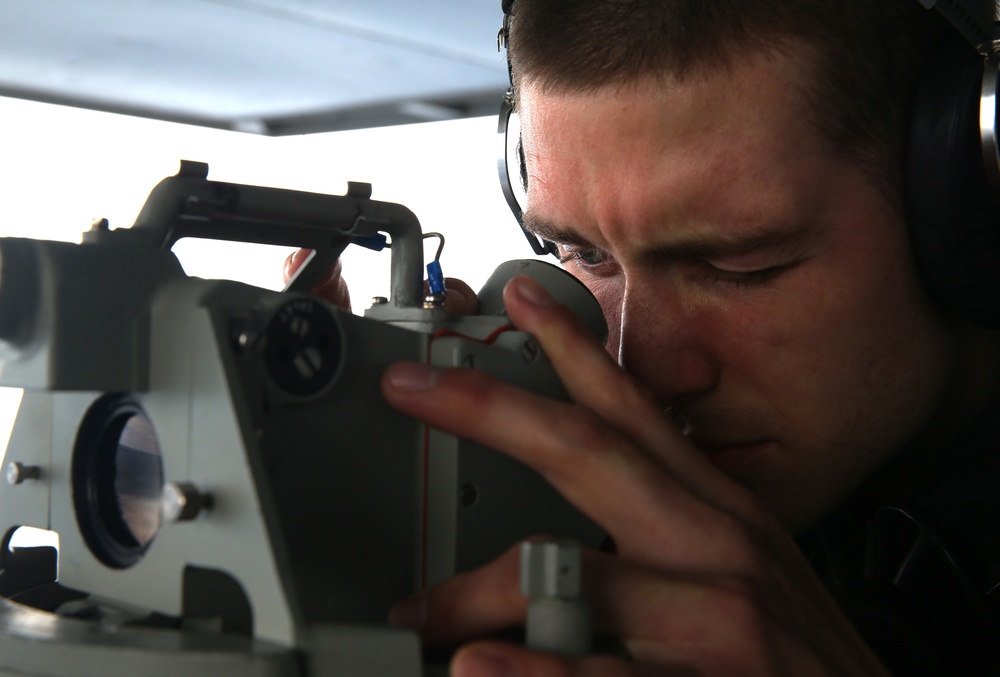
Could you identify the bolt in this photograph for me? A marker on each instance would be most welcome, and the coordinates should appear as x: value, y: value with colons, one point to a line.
x: 18, y: 472
x: 183, y: 501
x: 379, y: 300
x: 432, y: 301
x: 468, y: 494
x: 245, y: 335
x: 246, y: 339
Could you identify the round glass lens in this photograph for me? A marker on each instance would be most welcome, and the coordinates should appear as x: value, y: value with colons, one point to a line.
x: 138, y: 478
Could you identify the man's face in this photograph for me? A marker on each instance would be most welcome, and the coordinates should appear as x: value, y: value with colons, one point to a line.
x: 753, y: 279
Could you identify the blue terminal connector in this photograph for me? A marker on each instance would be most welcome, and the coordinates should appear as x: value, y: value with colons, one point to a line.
x: 435, y: 277
x: 376, y: 242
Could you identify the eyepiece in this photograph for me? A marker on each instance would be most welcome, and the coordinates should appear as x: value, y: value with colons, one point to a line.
x: 564, y: 288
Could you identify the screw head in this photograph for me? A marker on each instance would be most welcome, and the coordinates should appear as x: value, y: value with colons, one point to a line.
x: 18, y: 473
x: 183, y: 501
x: 245, y: 337
x: 468, y: 494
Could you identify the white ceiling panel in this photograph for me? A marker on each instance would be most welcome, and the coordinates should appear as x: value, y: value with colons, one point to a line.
x: 271, y: 66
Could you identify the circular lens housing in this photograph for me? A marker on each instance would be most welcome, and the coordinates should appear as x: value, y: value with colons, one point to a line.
x: 117, y: 480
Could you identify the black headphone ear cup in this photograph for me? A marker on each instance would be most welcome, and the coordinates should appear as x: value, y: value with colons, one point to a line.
x: 953, y: 213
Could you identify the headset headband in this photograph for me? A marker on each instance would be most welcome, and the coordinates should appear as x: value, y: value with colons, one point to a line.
x: 968, y: 19
x: 510, y: 148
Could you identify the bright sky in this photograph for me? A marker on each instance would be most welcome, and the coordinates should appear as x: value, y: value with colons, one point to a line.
x: 63, y: 167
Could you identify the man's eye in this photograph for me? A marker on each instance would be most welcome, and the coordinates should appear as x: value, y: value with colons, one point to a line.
x: 586, y: 257
x: 746, y: 278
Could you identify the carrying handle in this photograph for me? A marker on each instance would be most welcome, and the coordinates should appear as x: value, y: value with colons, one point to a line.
x: 189, y: 205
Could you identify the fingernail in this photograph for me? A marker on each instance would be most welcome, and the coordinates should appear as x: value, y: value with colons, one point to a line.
x: 531, y: 291
x: 410, y: 613
x: 296, y: 258
x: 483, y: 662
x: 412, y: 377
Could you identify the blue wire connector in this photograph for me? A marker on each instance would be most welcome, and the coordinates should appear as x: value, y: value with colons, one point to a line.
x: 376, y: 242
x: 435, y: 278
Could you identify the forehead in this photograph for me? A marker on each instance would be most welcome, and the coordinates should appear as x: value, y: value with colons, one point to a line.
x: 731, y: 139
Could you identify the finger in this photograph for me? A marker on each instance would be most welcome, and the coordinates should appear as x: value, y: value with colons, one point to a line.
x: 652, y: 518
x: 627, y: 600
x: 460, y: 299
x: 568, y: 345
x: 331, y: 287
x: 594, y: 380
x: 662, y: 618
x: 293, y: 262
x: 470, y: 605
x: 498, y: 659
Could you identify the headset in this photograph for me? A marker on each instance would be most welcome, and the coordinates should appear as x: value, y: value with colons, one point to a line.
x: 952, y: 170
x: 511, y: 155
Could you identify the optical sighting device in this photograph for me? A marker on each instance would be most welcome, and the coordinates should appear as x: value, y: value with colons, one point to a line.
x: 231, y: 493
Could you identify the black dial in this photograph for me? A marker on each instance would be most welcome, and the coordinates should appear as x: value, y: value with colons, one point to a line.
x: 304, y: 346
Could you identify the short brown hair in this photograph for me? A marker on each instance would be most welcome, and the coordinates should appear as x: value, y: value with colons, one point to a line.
x: 868, y: 54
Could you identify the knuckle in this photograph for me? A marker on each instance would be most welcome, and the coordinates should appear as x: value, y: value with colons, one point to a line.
x: 478, y: 388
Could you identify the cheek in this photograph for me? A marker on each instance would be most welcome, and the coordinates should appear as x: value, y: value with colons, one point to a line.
x: 864, y: 358
x: 908, y: 347
x: 610, y: 294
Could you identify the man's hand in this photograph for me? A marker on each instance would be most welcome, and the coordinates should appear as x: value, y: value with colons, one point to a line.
x: 460, y: 299
x: 704, y: 581
x: 331, y: 287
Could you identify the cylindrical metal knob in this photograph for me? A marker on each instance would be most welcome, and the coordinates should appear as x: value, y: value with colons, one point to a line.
x: 559, y: 618
x: 183, y: 501
x: 18, y: 473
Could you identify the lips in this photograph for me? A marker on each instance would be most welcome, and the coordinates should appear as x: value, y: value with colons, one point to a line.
x: 736, y: 457
x: 732, y: 454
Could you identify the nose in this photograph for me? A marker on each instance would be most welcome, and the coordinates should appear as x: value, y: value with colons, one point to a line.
x: 662, y: 342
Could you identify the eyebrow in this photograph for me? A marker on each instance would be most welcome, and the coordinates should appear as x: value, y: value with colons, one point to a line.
x: 547, y: 230
x: 779, y: 237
